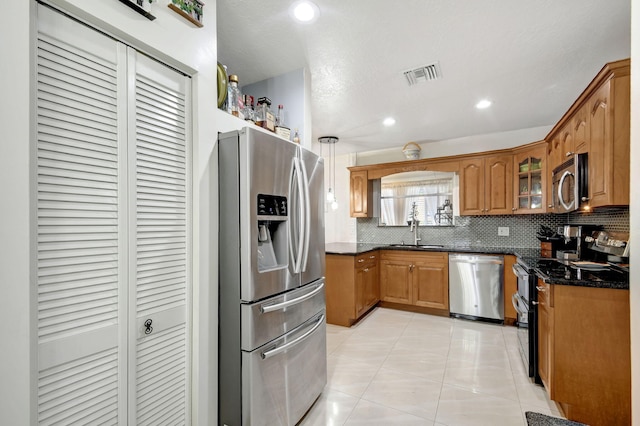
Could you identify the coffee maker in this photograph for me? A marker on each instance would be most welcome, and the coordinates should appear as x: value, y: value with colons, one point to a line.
x: 574, y: 241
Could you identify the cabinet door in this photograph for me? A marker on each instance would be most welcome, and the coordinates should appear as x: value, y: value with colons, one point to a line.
x: 510, y: 288
x: 599, y: 137
x: 566, y: 142
x: 373, y: 286
x: 360, y: 290
x: 579, y: 127
x: 545, y: 338
x: 430, y: 280
x: 360, y: 194
x: 472, y: 187
x: 498, y: 184
x: 530, y: 181
x: 395, y: 281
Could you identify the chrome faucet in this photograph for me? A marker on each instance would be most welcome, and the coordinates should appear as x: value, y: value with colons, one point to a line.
x: 414, y: 223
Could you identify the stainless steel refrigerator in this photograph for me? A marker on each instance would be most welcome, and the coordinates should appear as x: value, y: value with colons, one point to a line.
x: 272, y: 327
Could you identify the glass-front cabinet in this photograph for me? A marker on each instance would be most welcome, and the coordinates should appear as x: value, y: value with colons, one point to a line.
x: 530, y: 179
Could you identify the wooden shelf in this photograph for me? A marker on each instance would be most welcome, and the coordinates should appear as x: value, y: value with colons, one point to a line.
x: 138, y: 9
x: 184, y: 15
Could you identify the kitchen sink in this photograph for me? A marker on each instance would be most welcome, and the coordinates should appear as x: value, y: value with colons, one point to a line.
x: 425, y: 246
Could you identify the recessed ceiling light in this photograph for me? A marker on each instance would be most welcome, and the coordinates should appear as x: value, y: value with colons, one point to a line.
x: 485, y: 103
x: 304, y: 11
x: 389, y: 121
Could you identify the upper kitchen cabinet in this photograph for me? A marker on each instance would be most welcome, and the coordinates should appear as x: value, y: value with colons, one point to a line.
x: 598, y: 123
x: 609, y: 127
x: 530, y: 179
x: 486, y: 185
x: 361, y: 194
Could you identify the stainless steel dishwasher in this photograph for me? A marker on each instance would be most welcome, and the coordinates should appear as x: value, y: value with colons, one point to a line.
x: 475, y: 287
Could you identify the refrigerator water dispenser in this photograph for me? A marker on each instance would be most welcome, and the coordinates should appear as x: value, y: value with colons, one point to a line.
x: 272, y: 232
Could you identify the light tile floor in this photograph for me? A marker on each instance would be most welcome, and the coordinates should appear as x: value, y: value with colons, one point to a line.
x: 401, y: 368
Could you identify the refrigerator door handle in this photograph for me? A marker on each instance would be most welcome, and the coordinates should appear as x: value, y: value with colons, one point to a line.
x: 306, y: 215
x: 296, y: 255
x: 297, y: 340
x: 278, y: 306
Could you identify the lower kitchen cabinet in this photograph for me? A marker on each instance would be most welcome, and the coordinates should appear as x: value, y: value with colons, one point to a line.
x: 510, y: 288
x: 585, y: 353
x: 415, y: 279
x: 351, y: 287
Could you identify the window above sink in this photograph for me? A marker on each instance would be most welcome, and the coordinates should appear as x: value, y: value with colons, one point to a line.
x: 434, y: 194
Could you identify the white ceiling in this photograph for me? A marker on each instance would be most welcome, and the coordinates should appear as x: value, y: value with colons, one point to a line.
x: 530, y: 58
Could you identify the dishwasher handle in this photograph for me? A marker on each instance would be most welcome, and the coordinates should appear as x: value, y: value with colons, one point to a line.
x: 493, y: 260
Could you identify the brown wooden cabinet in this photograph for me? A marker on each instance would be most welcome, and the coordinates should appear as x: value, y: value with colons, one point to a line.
x: 609, y: 139
x: 584, y: 352
x: 415, y: 279
x: 530, y: 180
x: 545, y: 342
x: 598, y: 124
x: 361, y: 194
x: 351, y: 286
x: 486, y: 185
x: 510, y: 287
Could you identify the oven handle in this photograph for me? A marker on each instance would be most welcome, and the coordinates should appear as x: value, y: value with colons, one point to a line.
x: 515, y: 298
x: 518, y: 271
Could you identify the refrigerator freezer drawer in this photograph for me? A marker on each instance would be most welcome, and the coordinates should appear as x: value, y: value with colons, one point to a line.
x: 271, y: 318
x: 282, y: 379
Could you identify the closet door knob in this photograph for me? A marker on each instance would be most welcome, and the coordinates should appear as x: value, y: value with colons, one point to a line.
x: 147, y: 326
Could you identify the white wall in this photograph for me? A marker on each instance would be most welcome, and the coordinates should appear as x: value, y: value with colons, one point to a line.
x: 339, y: 226
x: 174, y: 40
x: 286, y: 89
x: 634, y: 218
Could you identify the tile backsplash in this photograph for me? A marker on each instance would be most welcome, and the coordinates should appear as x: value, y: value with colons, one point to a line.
x: 483, y: 230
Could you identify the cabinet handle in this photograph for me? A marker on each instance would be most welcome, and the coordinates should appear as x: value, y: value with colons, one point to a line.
x: 569, y: 154
x: 541, y: 288
x: 533, y: 302
x: 366, y: 269
x: 360, y: 260
x: 372, y: 257
x: 550, y: 206
x: 513, y: 209
x: 584, y: 198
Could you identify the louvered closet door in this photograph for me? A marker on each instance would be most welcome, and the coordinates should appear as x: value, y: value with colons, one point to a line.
x: 112, y: 231
x: 81, y: 273
x: 159, y: 243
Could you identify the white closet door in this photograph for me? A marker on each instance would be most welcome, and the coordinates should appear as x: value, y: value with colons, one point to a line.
x: 159, y: 243
x: 80, y: 235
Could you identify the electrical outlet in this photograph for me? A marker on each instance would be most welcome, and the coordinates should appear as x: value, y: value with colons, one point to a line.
x: 503, y: 231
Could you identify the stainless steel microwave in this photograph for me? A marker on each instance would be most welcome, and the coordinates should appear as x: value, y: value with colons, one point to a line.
x: 570, y: 180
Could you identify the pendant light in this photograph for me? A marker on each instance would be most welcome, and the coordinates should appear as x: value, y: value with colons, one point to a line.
x: 331, y: 141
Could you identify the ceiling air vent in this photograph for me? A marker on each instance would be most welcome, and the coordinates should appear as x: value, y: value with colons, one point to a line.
x: 423, y: 74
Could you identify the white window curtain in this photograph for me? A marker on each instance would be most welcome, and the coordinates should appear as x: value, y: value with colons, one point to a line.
x: 397, y: 200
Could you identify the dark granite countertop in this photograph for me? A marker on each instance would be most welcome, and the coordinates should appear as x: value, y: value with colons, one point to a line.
x: 553, y: 272
x: 353, y: 249
x: 548, y: 270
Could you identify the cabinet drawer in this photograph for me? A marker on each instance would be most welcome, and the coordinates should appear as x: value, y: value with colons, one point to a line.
x: 366, y: 259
